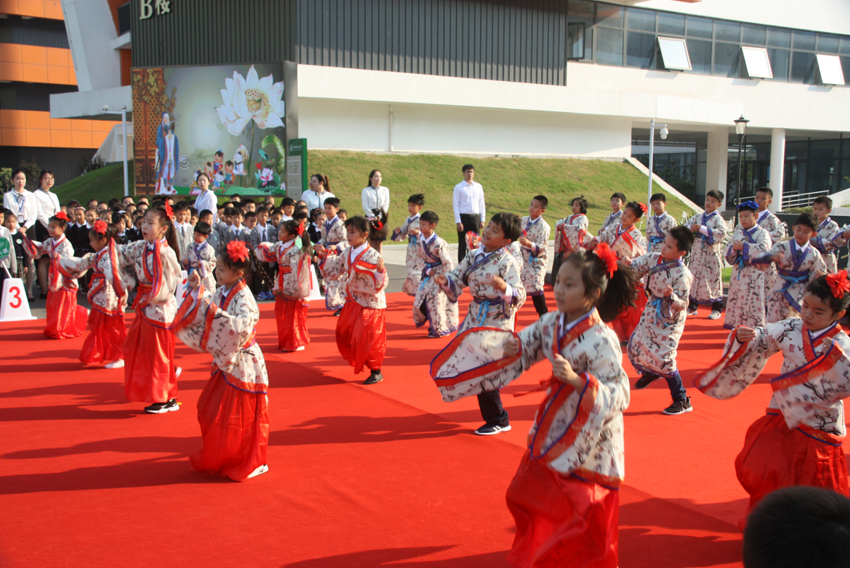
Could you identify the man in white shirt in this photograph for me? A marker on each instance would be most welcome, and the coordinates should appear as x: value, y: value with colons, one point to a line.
x: 470, y: 212
x: 316, y: 195
x: 22, y: 203
x: 206, y: 201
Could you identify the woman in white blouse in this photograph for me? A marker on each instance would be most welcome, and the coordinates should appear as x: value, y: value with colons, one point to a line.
x: 48, y: 206
x: 376, y: 198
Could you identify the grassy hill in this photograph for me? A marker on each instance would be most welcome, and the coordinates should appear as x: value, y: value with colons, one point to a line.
x: 509, y: 183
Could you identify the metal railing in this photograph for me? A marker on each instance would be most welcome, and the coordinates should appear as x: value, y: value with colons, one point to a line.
x: 801, y: 199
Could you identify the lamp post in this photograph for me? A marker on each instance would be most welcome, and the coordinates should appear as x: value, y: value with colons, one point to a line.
x: 123, y: 114
x: 741, y: 131
x: 663, y: 133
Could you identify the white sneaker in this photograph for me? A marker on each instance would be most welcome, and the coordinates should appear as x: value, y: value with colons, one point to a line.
x: 259, y: 471
x: 302, y: 348
x: 119, y: 364
x: 714, y: 315
x: 177, y: 372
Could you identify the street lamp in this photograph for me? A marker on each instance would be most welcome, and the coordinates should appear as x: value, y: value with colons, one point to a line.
x: 663, y: 133
x: 741, y: 131
x: 123, y: 114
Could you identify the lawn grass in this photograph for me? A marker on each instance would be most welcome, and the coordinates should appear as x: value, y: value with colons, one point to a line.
x: 509, y: 184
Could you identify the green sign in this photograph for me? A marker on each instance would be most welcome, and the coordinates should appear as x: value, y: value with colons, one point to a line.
x: 296, y: 168
x: 4, y: 248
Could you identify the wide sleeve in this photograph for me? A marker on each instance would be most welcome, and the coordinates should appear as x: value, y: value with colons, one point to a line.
x: 445, y: 257
x: 510, y: 272
x: 165, y: 288
x: 818, y: 267
x: 644, y: 263
x: 454, y: 278
x: 825, y: 242
x: 290, y: 282
x: 333, y: 266
x: 539, y: 244
x: 716, y: 230
x: 34, y: 249
x: 76, y: 267
x: 681, y: 290
x: 266, y: 252
x: 366, y: 278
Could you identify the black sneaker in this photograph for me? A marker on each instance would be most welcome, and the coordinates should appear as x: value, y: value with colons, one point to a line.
x: 336, y: 313
x: 157, y: 408
x: 678, y: 407
x: 375, y: 377
x: 172, y: 405
x: 492, y: 429
x: 644, y: 381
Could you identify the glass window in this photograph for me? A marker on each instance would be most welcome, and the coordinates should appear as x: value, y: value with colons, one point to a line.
x: 802, y: 67
x: 699, y: 27
x: 797, y: 150
x: 780, y: 60
x: 674, y: 53
x: 640, y: 50
x: 727, y: 31
x: 756, y: 35
x: 700, y: 54
x: 844, y: 46
x: 581, y: 11
x: 824, y: 149
x: 671, y: 23
x: 829, y: 67
x: 575, y: 41
x: 726, y: 59
x: 609, y: 46
x: 609, y: 15
x: 757, y: 62
x: 844, y: 180
x: 643, y: 20
x: 778, y: 37
x: 827, y: 43
x: 804, y: 40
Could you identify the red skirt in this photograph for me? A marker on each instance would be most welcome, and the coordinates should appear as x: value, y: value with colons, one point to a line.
x: 149, y: 372
x: 561, y: 520
x: 361, y: 336
x: 774, y: 456
x: 65, y: 319
x: 291, y: 318
x: 105, y: 342
x: 629, y: 318
x: 235, y: 430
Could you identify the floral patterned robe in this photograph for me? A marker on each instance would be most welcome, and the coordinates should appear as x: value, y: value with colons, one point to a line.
x: 575, y: 431
x: 829, y: 239
x: 652, y: 346
x: 364, y: 284
x: 745, y: 303
x: 293, y: 273
x: 799, y: 267
x: 627, y: 244
x: 55, y: 250
x: 158, y: 274
x: 776, y: 229
x: 570, y: 233
x: 109, y: 285
x: 611, y: 219
x: 657, y: 227
x: 815, y: 376
x: 706, y: 258
x: 413, y: 260
x: 489, y: 306
x: 334, y: 239
x: 441, y: 314
x: 534, y: 258
x: 201, y: 257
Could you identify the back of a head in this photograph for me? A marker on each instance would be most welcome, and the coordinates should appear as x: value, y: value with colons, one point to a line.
x: 799, y: 527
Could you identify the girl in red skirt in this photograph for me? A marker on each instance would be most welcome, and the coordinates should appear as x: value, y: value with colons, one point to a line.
x: 64, y: 319
x: 150, y: 375
x: 234, y: 407
x: 798, y: 441
x: 292, y: 287
x: 564, y: 496
x: 107, y: 297
x: 361, y: 332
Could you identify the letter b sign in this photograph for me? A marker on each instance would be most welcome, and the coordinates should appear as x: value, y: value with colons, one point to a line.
x: 146, y: 8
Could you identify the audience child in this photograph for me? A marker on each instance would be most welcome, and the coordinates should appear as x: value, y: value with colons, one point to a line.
x: 200, y: 256
x: 236, y: 232
x: 250, y: 220
x: 659, y: 223
x: 10, y: 222
x: 214, y: 237
x: 288, y: 207
x: 410, y: 230
x: 534, y: 242
x: 707, y: 258
x: 746, y: 303
x: 431, y: 304
x: 8, y: 261
x: 343, y: 215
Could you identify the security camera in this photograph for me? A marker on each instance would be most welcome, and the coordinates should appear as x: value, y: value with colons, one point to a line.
x: 105, y: 108
x: 664, y: 132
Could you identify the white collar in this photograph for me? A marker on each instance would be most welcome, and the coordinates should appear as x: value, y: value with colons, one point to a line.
x: 413, y: 218
x: 235, y: 228
x: 763, y: 214
x: 286, y: 245
x: 430, y: 239
x: 564, y: 328
x: 800, y: 249
x: 533, y: 221
x: 816, y: 334
x: 355, y: 252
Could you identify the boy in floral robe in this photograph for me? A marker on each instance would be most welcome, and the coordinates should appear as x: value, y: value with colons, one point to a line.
x: 706, y: 260
x: 410, y: 229
x: 432, y: 305
x: 534, y: 240
x: 658, y: 224
x: 745, y: 303
x: 829, y: 237
x: 334, y: 240
x: 774, y: 227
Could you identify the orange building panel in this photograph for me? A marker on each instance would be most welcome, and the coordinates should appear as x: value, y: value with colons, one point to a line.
x: 58, y: 75
x: 51, y: 9
x: 38, y: 138
x: 60, y: 124
x: 34, y: 73
x: 14, y: 136
x: 10, y: 52
x: 13, y: 119
x: 34, y: 54
x: 60, y: 139
x: 11, y: 71
x: 81, y: 139
x: 97, y: 138
x: 57, y: 56
x: 37, y: 120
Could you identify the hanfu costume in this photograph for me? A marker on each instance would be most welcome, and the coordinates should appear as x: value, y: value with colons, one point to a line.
x: 564, y: 496
x: 829, y: 239
x: 657, y: 229
x: 627, y: 244
x: 707, y: 258
x: 361, y: 332
x: 745, y: 304
x: 613, y: 219
x: 291, y: 292
x: 798, y: 441
x: 800, y: 265
x: 233, y: 409
x: 432, y: 305
x: 64, y: 318
x: 570, y: 234
x: 413, y: 260
x: 335, y: 241
x: 534, y: 259
x: 776, y: 229
x: 201, y: 257
x: 149, y: 371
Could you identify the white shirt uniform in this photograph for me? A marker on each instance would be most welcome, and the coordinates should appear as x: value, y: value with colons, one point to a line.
x: 375, y: 198
x: 468, y: 199
x: 48, y: 206
x: 23, y: 206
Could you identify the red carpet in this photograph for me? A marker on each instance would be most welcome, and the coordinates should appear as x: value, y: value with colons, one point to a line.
x: 387, y: 475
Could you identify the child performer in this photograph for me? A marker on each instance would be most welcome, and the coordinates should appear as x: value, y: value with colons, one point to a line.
x: 150, y: 375
x: 653, y: 345
x: 797, y: 264
x: 798, y: 441
x: 431, y: 304
x: 659, y: 223
x: 570, y: 233
x: 63, y: 319
x: 829, y: 237
x: 745, y: 303
x: 233, y: 409
x: 774, y: 227
x: 107, y: 297
x: 334, y: 240
x: 292, y: 287
x: 534, y: 240
x: 706, y: 260
x: 564, y: 496
x: 410, y: 229
x: 361, y: 332
x: 494, y: 279
x: 628, y: 243
x: 200, y: 256
x: 618, y: 200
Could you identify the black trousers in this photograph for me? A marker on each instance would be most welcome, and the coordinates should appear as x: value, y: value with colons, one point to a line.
x: 492, y: 411
x: 470, y: 222
x: 715, y: 306
x: 540, y: 304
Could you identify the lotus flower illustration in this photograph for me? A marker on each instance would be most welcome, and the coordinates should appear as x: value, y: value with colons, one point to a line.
x: 251, y: 98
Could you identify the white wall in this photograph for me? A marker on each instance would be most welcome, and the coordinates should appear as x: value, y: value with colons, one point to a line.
x: 91, y: 31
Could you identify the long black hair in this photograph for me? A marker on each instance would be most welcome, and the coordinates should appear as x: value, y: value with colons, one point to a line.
x: 615, y: 293
x: 291, y: 227
x: 170, y: 234
x: 819, y: 287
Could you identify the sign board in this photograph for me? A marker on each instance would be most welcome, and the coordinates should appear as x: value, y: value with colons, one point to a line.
x: 15, y: 306
x: 296, y: 168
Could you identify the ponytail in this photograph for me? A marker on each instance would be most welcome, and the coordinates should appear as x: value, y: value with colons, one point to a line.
x: 291, y: 227
x: 323, y: 179
x: 617, y: 293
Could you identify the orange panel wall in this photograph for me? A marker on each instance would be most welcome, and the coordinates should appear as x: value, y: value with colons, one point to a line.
x: 37, y: 129
x: 35, y: 64
x: 50, y: 9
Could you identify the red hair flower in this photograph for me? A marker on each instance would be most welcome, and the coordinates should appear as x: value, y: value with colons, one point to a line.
x: 643, y: 208
x: 838, y: 283
x: 300, y: 230
x: 62, y: 215
x: 169, y: 212
x: 608, y: 256
x: 100, y: 227
x: 237, y: 251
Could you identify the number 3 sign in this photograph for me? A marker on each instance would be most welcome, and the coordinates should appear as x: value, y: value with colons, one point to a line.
x: 15, y: 306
